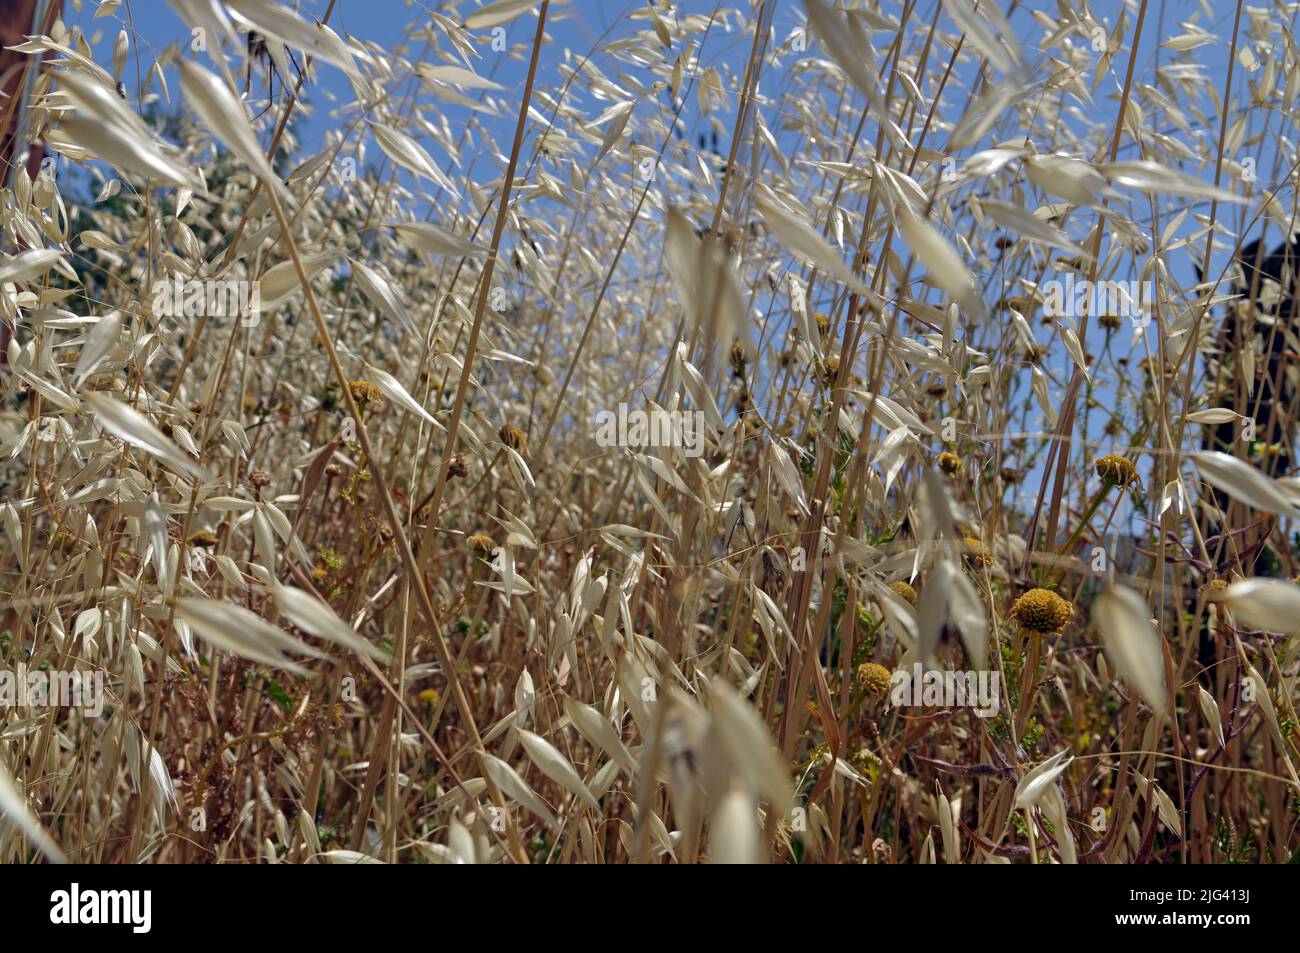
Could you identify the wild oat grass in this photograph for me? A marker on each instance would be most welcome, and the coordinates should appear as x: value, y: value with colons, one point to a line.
x: 298, y: 446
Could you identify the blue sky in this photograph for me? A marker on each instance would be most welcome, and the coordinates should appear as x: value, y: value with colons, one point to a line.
x: 580, y: 26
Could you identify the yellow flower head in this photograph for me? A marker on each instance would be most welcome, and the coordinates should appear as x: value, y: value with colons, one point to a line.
x: 904, y: 590
x: 830, y: 369
x: 514, y: 438
x: 1043, y: 611
x: 1116, y: 470
x: 430, y: 696
x: 874, y: 678
x: 480, y: 543
x: 950, y: 464
x: 364, y: 392
x: 976, y: 552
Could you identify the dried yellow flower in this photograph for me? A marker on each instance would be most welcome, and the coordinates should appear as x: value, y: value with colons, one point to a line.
x: 514, y: 438
x: 1116, y: 470
x: 480, y: 543
x: 831, y: 369
x: 904, y: 590
x: 874, y: 678
x: 950, y: 464
x: 364, y: 392
x: 1043, y: 611
x: 976, y: 552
